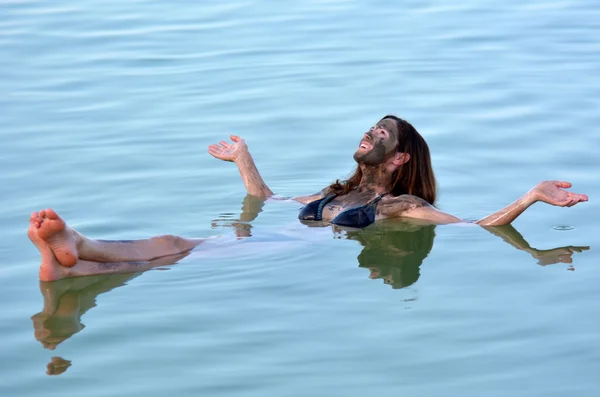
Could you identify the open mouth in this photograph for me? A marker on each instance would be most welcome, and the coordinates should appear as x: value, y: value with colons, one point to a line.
x: 366, y: 144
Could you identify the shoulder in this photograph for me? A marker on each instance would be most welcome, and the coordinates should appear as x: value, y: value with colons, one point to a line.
x: 313, y: 197
x: 408, y: 206
x: 395, y: 206
x: 402, y: 203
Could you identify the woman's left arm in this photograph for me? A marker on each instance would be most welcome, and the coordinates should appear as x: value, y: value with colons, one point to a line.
x: 550, y: 192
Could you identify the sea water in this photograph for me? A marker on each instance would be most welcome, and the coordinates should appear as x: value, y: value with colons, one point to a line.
x: 106, y: 112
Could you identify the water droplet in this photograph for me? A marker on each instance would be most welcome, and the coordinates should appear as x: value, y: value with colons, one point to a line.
x: 563, y: 228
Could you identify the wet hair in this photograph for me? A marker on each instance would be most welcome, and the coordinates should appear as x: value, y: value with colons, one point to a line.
x: 415, y: 177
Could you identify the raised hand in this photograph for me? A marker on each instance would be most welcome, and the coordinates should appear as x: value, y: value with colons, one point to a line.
x: 229, y: 151
x: 238, y: 153
x: 552, y: 192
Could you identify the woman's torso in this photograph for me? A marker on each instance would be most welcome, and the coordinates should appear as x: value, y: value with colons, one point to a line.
x: 354, y: 209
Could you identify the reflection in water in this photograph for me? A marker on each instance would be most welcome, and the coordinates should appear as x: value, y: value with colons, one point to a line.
x: 394, y: 251
x: 65, y: 301
x: 57, y: 366
x: 251, y: 207
x: 544, y: 257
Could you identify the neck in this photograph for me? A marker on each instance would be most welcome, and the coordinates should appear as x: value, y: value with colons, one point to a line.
x: 375, y: 179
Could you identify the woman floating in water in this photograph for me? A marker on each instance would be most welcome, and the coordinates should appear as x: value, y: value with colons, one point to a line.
x: 393, y: 179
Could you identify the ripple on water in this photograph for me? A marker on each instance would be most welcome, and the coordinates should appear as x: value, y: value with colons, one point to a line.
x: 563, y: 228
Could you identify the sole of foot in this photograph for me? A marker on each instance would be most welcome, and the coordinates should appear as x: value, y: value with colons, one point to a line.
x: 50, y: 267
x: 54, y: 231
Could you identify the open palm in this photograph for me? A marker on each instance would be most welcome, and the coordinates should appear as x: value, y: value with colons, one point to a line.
x: 228, y: 151
x: 552, y: 192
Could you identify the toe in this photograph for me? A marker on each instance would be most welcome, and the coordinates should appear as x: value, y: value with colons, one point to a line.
x: 51, y: 214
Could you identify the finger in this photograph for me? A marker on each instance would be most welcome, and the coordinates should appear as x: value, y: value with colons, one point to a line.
x: 578, y: 249
x: 214, y: 153
x: 577, y: 198
x: 225, y: 144
x: 234, y: 138
x: 563, y: 184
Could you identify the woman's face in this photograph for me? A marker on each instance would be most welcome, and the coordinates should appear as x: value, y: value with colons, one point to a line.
x: 378, y: 143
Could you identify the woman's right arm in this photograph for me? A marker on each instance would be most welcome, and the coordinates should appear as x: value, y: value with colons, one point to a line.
x: 239, y: 154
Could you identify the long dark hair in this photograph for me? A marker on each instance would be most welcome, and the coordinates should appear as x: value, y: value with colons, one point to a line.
x: 415, y: 177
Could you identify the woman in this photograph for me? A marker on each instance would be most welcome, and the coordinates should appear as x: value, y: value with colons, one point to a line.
x: 393, y: 179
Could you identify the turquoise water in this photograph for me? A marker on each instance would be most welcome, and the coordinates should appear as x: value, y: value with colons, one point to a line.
x: 106, y: 113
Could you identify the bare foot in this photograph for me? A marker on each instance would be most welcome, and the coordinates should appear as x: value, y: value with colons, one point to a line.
x: 50, y: 268
x: 54, y: 231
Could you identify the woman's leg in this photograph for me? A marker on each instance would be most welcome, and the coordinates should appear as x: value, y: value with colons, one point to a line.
x: 70, y: 247
x: 51, y: 269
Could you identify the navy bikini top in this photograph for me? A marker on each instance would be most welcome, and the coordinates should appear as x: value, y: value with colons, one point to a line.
x: 357, y: 217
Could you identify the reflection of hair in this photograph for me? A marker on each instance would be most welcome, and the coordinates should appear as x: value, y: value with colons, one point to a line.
x: 414, y: 177
x: 396, y: 254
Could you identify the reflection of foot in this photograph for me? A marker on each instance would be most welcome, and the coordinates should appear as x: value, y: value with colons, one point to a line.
x: 57, y: 366
x: 61, y: 239
x: 50, y: 268
x: 52, y: 330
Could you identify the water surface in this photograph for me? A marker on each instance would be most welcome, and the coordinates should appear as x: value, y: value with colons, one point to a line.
x: 106, y: 113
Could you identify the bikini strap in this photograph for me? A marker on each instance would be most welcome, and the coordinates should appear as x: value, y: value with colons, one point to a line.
x: 322, y: 205
x: 376, y: 200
